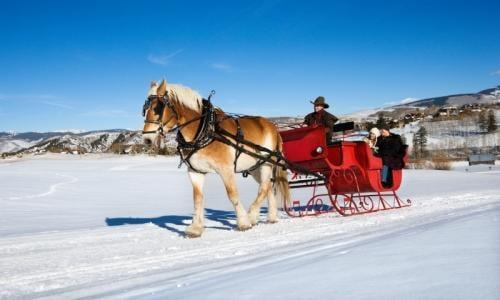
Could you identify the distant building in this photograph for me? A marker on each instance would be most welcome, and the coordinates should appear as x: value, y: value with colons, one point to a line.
x: 411, y: 117
x: 474, y: 107
x: 448, y: 111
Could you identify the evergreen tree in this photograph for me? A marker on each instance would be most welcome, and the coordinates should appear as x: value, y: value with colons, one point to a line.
x: 420, y: 143
x: 368, y: 125
x: 483, y: 121
x: 416, y: 143
x: 491, y: 122
x: 381, y: 121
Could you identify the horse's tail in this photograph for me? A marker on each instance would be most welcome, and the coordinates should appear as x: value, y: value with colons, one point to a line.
x: 281, y: 187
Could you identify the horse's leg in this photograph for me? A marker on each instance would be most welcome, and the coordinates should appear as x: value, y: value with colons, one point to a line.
x: 263, y: 177
x: 196, y: 228
x: 272, y: 209
x: 229, y: 179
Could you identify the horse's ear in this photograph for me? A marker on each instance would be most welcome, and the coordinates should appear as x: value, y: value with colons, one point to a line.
x: 153, y: 88
x: 162, y: 89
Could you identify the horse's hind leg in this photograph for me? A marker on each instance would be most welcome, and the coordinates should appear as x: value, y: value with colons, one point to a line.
x: 272, y: 209
x: 196, y: 228
x: 263, y: 177
x: 229, y: 180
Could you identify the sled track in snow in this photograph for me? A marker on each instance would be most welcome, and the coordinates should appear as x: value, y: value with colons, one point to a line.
x: 52, y: 188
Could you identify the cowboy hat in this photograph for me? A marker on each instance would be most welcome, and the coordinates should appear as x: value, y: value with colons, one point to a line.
x: 320, y: 101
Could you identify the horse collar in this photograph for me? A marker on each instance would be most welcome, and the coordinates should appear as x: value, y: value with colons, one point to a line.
x: 203, y: 137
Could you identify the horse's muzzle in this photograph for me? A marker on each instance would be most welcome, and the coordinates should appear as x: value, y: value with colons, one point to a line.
x: 153, y: 140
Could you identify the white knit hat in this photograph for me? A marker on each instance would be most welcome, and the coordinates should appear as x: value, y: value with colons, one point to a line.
x: 375, y: 131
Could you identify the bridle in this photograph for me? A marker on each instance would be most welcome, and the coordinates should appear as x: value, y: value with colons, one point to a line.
x: 165, y: 101
x: 160, y: 107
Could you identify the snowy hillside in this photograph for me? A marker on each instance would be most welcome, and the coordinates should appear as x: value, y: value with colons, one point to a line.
x: 111, y: 227
x: 126, y: 141
x: 451, y: 134
x: 11, y: 145
x: 488, y: 96
x: 115, y: 140
x: 483, y: 97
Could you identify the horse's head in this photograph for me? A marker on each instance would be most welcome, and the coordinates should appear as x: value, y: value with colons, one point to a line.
x: 159, y: 115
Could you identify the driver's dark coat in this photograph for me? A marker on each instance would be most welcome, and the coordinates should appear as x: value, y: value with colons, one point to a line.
x: 323, y: 118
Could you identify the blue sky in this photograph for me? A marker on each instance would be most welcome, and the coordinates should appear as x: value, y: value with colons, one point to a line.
x: 88, y: 64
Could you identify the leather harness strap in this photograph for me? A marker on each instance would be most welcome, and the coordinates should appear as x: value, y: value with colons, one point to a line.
x: 209, y: 131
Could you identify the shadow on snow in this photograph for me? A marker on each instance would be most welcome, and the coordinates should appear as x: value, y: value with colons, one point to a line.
x: 226, y: 218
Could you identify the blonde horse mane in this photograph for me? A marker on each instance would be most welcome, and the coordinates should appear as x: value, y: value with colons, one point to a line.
x: 182, y: 95
x: 185, y: 96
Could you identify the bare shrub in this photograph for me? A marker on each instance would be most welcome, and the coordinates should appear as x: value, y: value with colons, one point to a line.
x: 414, y: 163
x: 419, y: 164
x: 117, y: 148
x: 441, y: 161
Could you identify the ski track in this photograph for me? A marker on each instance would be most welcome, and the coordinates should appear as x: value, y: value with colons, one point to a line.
x: 52, y: 188
x: 130, y: 166
x: 132, y: 261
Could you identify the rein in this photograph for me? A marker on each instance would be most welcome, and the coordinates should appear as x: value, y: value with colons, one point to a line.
x: 209, y: 130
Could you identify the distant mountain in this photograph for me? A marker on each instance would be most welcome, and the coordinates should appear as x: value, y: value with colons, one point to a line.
x: 488, y: 96
x: 35, y: 136
x: 31, y: 136
x: 99, y: 141
x: 484, y: 97
x: 126, y: 141
x: 492, y: 91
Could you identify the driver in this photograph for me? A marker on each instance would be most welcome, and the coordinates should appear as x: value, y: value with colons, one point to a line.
x: 321, y: 117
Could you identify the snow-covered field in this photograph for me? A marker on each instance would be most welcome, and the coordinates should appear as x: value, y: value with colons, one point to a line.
x: 111, y: 227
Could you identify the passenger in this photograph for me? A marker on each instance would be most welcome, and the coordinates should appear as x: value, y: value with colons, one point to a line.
x: 371, y: 139
x: 321, y: 117
x: 391, y: 150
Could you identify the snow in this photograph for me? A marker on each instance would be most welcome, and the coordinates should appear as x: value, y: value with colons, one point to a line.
x: 11, y: 145
x: 365, y: 114
x: 71, y: 130
x: 104, y: 226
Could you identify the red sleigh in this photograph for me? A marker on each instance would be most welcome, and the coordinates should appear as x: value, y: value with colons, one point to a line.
x: 349, y: 175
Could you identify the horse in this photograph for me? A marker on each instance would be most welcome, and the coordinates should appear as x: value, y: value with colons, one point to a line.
x: 175, y: 107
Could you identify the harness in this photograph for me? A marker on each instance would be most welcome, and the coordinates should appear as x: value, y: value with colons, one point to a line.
x: 204, y: 135
x: 159, y: 111
x: 209, y: 130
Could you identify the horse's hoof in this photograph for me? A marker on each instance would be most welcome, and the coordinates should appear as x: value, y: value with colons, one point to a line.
x: 272, y: 221
x: 193, y: 232
x: 244, y: 227
x: 192, y: 235
x: 253, y: 216
x: 254, y: 220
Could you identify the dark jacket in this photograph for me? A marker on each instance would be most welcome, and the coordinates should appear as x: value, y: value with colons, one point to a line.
x: 392, y: 151
x: 322, y: 118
